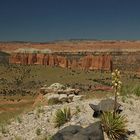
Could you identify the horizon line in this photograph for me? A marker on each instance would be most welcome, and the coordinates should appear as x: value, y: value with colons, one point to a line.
x: 63, y: 40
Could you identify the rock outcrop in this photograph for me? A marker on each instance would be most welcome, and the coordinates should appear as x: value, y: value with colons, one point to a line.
x: 106, y: 105
x: 92, y: 132
x: 60, y: 93
x: 85, y: 62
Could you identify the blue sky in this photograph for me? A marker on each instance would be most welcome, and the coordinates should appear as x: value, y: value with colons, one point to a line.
x: 47, y: 20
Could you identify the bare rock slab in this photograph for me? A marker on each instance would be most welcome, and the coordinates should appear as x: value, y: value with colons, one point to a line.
x: 74, y: 132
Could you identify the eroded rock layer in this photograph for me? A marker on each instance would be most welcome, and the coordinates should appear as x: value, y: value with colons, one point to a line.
x: 85, y: 62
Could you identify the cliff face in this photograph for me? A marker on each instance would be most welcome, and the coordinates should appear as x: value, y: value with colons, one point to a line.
x: 100, y: 62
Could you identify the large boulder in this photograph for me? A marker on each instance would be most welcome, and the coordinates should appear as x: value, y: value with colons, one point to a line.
x: 106, y: 105
x: 75, y: 132
x: 93, y: 131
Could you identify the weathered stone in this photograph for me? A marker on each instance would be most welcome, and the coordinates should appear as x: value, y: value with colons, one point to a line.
x: 67, y: 133
x: 104, y: 106
x: 48, y: 90
x: 73, y: 129
x: 60, y: 93
x: 43, y: 90
x: 76, y: 92
x: 92, y: 132
x: 77, y: 97
x: 57, y: 86
x: 89, y: 62
x: 70, y: 91
x: 53, y: 96
x: 80, y: 137
x: 71, y: 96
x: 63, y: 97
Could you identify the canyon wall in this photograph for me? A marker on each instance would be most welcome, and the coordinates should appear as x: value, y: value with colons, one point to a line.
x: 86, y: 62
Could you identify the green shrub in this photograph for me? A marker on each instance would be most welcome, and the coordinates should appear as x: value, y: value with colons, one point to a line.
x: 136, y: 90
x: 3, y: 129
x: 18, y: 138
x: 125, y: 90
x: 19, y: 120
x: 62, y: 116
x: 77, y: 109
x: 53, y: 101
x: 38, y: 131
x: 46, y: 137
x: 49, y: 138
x: 115, y: 128
x: 124, y: 99
x: 40, y: 110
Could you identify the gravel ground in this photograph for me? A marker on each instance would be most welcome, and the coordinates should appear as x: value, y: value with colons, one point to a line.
x: 26, y: 125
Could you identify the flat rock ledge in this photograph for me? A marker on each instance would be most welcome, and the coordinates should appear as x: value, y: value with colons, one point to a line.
x: 75, y: 132
x: 60, y: 93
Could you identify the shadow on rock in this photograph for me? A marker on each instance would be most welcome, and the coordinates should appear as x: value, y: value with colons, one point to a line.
x: 74, y: 132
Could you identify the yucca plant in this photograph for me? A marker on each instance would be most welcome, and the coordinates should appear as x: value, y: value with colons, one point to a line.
x: 62, y: 116
x: 116, y: 83
x: 115, y: 128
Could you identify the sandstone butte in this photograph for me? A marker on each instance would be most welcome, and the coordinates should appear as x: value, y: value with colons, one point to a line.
x: 100, y: 62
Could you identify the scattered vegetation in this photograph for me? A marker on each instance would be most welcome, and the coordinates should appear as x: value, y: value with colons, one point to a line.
x: 124, y: 99
x: 38, y: 131
x: 113, y: 123
x: 18, y: 138
x: 126, y: 90
x: 49, y: 137
x: 62, y: 116
x: 77, y: 109
x: 17, y: 83
x: 3, y: 129
x: 53, y: 101
x: 19, y: 120
x: 136, y: 90
x: 39, y: 110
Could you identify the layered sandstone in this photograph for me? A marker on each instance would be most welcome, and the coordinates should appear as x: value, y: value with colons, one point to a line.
x: 88, y: 62
x: 78, y: 54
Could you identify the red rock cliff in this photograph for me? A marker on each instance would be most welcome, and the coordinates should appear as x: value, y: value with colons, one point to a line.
x: 89, y: 62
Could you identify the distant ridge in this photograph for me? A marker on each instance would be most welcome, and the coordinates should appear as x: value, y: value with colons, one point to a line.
x: 67, y: 40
